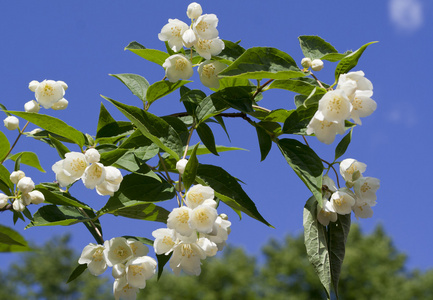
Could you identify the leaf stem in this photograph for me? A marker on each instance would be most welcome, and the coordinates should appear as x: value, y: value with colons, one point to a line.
x: 101, y: 239
x: 16, y: 141
x: 260, y: 88
x: 318, y: 81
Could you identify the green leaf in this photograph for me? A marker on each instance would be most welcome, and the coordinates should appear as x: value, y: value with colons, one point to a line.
x: 138, y: 189
x: 298, y: 120
x: 263, y: 62
x: 302, y: 85
x: 306, y: 164
x: 152, y: 55
x: 162, y: 261
x: 316, y: 244
x: 61, y: 149
x: 230, y: 52
x: 350, y: 61
x: 51, y: 215
x: 137, y: 84
x: 12, y: 241
x: 228, y: 189
x: 28, y: 158
x: 147, y: 212
x: 152, y: 127
x: 53, y: 125
x: 315, y: 47
x: 5, y: 180
x: 4, y: 146
x: 162, y: 88
x: 338, y: 232
x: 191, y: 99
x: 190, y: 173
x: 111, y: 157
x: 53, y: 195
x: 207, y: 137
x: 333, y: 57
x: 342, y: 145
x: 265, y: 142
x: 77, y: 272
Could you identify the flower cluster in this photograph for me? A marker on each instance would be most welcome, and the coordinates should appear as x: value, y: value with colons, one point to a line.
x: 350, y: 100
x: 127, y: 257
x: 25, y: 193
x: 343, y: 201
x: 87, y: 167
x: 195, y: 231
x: 49, y: 94
x: 202, y: 35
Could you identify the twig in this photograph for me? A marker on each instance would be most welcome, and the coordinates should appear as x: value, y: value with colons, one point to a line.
x: 16, y: 141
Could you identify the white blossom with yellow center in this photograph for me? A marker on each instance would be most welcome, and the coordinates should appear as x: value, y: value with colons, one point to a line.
x: 205, y: 27
x: 207, y: 48
x: 164, y: 240
x: 342, y: 202
x: 362, y: 105
x: 349, y: 167
x: 208, y: 72
x: 93, y: 256
x: 140, y: 269
x: 172, y: 33
x: 49, y: 92
x: 326, y: 213
x: 70, y: 169
x: 324, y: 129
x: 365, y: 189
x: 197, y: 194
x: 177, y: 67
x: 202, y: 218
x: 93, y: 175
x: 111, y: 184
x: 335, y: 106
x: 117, y: 251
x: 186, y: 257
x: 123, y: 290
x: 178, y: 220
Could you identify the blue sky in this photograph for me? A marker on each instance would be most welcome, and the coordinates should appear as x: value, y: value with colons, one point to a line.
x: 81, y: 42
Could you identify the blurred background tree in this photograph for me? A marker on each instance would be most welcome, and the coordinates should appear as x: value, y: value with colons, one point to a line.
x: 377, y: 271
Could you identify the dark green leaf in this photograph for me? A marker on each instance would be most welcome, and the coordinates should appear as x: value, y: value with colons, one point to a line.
x: 263, y: 62
x: 306, y: 164
x: 148, y: 212
x: 111, y: 157
x: 191, y: 99
x: 137, y: 84
x: 152, y: 55
x: 28, y: 158
x: 228, y: 190
x: 190, y: 173
x: 162, y: 260
x: 162, y: 88
x: 342, y: 145
x: 338, y: 232
x: 53, y: 125
x: 51, y: 215
x: 77, y: 272
x: 5, y: 179
x: 265, y: 142
x: 53, y: 195
x: 298, y: 120
x: 315, y: 47
x: 61, y: 149
x: 152, y: 127
x: 350, y: 61
x: 230, y: 53
x: 207, y: 137
x: 316, y: 244
x: 12, y: 241
x: 303, y: 85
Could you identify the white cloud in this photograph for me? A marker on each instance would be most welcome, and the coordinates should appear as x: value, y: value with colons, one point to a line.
x: 406, y: 15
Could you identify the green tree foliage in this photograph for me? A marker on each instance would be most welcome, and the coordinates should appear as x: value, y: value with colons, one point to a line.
x: 42, y: 274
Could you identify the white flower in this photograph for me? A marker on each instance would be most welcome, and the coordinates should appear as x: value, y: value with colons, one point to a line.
x: 119, y: 270
x: 365, y: 189
x: 326, y: 214
x: 63, y: 84
x: 317, y: 65
x: 205, y: 27
x: 330, y: 184
x: 342, y: 202
x: 16, y: 176
x: 122, y: 290
x: 70, y: 169
x: 178, y: 220
x: 172, y: 33
x: 33, y: 85
x: 220, y: 233
x: 362, y: 105
x: 32, y: 106
x: 36, y: 197
x: 209, y: 247
x: 335, y: 106
x: 357, y: 78
x: 362, y: 210
x: 349, y: 167
x: 186, y: 257
x: 208, y: 72
x: 140, y: 269
x: 177, y: 67
x: 181, y: 165
x: 164, y: 240
x: 198, y: 194
x: 93, y: 175
x: 93, y: 256
x: 111, y: 183
x: 117, y: 251
x: 49, y: 92
x: 306, y: 62
x: 19, y: 205
x: 210, y: 47
x: 194, y: 10
x: 3, y: 200
x: 11, y: 122
x: 92, y: 155
x: 324, y: 130
x: 26, y: 185
x: 138, y: 248
x: 189, y: 38
x: 60, y: 105
x: 202, y: 218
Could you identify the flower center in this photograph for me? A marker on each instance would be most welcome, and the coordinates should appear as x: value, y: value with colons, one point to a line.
x: 202, y: 26
x: 48, y: 90
x: 180, y: 64
x: 209, y: 70
x: 183, y: 217
x: 175, y: 31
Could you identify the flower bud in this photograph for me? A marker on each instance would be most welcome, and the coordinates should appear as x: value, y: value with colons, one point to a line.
x: 36, y: 197
x: 63, y: 84
x: 194, y: 10
x: 317, y: 65
x: 224, y: 217
x: 17, y: 176
x: 60, y: 105
x: 92, y: 155
x: 32, y: 106
x: 26, y: 185
x: 3, y: 200
x: 118, y: 270
x: 306, y: 62
x: 11, y: 122
x: 18, y: 205
x: 181, y: 165
x: 33, y: 85
x: 189, y: 38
